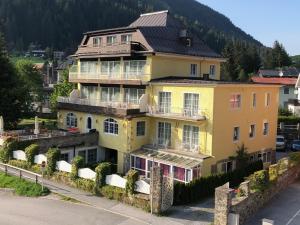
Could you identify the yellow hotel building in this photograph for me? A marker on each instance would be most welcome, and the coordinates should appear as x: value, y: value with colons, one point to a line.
x: 153, y: 92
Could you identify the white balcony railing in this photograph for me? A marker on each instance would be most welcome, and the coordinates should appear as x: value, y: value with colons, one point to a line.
x: 178, y: 147
x: 184, y: 113
x: 97, y: 102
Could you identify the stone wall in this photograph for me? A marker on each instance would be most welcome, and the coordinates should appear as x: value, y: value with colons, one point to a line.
x: 84, y: 140
x: 246, y: 205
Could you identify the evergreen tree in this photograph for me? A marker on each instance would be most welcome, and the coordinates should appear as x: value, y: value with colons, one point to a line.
x: 279, y: 56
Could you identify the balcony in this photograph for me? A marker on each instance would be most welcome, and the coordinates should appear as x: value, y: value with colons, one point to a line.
x: 177, y: 113
x: 111, y: 73
x: 99, y: 107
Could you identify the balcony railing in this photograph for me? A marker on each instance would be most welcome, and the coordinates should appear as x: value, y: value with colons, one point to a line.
x: 112, y: 49
x: 177, y: 113
x: 98, y: 102
x: 178, y: 147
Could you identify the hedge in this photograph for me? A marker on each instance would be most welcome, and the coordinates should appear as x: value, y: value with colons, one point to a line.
x: 290, y: 120
x: 30, y: 152
x: 102, y: 170
x: 52, y: 155
x: 132, y: 177
x: 204, y: 187
x: 7, y: 149
x: 77, y: 163
x: 259, y: 181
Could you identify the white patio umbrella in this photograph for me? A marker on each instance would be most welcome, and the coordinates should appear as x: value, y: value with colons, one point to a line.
x: 1, y: 125
x: 36, y: 126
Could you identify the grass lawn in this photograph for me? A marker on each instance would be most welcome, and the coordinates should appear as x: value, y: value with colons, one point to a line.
x: 21, y: 186
x: 49, y: 123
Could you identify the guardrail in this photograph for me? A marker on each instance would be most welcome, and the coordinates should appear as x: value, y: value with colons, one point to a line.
x: 20, y: 172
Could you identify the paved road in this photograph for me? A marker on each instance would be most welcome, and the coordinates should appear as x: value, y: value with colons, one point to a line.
x: 284, y: 209
x: 199, y: 214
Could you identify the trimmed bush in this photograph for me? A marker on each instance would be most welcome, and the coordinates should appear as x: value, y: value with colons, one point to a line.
x: 259, y: 181
x: 30, y: 152
x: 290, y: 120
x: 204, y: 187
x: 7, y: 149
x: 132, y: 177
x: 283, y: 165
x: 52, y: 155
x: 294, y: 158
x: 273, y: 172
x: 102, y: 170
x: 77, y: 163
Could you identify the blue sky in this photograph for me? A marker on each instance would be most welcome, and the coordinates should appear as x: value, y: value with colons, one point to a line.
x: 265, y: 20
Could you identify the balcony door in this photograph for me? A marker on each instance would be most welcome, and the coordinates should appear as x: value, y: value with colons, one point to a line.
x: 133, y: 95
x: 164, y: 134
x: 190, y: 137
x: 110, y: 94
x: 191, y: 104
x: 164, y: 102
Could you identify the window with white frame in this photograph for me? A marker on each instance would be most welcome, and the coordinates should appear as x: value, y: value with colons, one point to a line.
x: 235, y: 101
x: 140, y: 128
x: 212, y: 70
x: 89, y: 123
x: 110, y: 40
x: 190, y: 137
x: 227, y: 166
x: 164, y: 134
x: 111, y: 126
x: 264, y: 157
x: 265, y: 128
x: 110, y: 68
x: 191, y: 104
x: 71, y: 120
x: 164, y: 102
x: 193, y: 70
x: 88, y: 67
x: 96, y: 41
x: 133, y: 95
x: 253, y: 100
x: 252, y: 131
x: 89, y: 92
x: 126, y: 38
x: 267, y: 99
x: 236, y: 133
x: 133, y: 68
x: 110, y: 94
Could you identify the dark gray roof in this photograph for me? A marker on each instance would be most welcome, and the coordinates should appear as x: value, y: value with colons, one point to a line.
x: 286, y: 72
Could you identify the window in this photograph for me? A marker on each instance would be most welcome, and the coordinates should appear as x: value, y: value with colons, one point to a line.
x: 96, y: 41
x: 252, y: 131
x: 110, y: 94
x: 164, y: 102
x: 83, y: 155
x: 227, y: 166
x: 89, y: 123
x: 253, y: 100
x: 126, y: 38
x: 267, y: 99
x: 71, y: 120
x: 164, y: 134
x: 188, y: 42
x: 191, y: 104
x: 134, y: 68
x: 179, y: 173
x: 235, y: 101
x: 191, y: 137
x: 140, y: 128
x: 111, y: 126
x: 88, y: 67
x: 92, y: 155
x: 64, y: 157
x: 265, y: 128
x: 193, y: 71
x: 264, y: 157
x: 286, y: 90
x: 110, y: 68
x: 212, y: 70
x: 110, y: 40
x: 89, y: 92
x: 236, y: 133
x: 133, y: 95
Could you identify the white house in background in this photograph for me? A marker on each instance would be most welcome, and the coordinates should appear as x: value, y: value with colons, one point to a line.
x: 294, y: 106
x: 287, y: 93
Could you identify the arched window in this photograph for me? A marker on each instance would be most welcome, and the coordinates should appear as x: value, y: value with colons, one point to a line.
x: 111, y: 126
x: 89, y: 123
x: 71, y: 120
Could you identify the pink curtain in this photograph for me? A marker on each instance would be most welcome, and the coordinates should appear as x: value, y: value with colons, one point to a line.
x: 179, y: 173
x: 165, y: 169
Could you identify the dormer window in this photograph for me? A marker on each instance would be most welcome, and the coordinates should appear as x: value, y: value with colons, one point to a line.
x: 110, y: 40
x: 189, y: 42
x: 126, y: 38
x: 96, y: 41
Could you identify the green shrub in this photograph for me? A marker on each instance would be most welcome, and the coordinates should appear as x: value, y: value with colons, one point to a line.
x: 30, y: 152
x: 102, y: 170
x: 112, y: 192
x: 52, y: 155
x: 283, y: 165
x: 204, y: 187
x: 294, y: 158
x: 85, y: 184
x: 290, y: 120
x: 273, y: 172
x: 19, y: 163
x: 132, y: 177
x: 259, y: 181
x: 7, y: 149
x: 77, y: 163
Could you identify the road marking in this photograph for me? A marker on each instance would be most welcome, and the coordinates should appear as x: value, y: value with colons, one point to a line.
x: 294, y: 216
